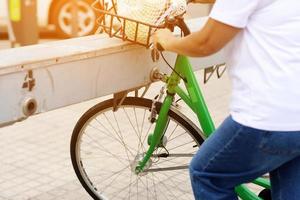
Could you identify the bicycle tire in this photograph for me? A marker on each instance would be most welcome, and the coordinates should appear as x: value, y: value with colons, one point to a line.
x: 179, y: 187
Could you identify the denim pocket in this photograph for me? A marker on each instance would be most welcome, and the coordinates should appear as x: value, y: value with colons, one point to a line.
x: 281, y: 143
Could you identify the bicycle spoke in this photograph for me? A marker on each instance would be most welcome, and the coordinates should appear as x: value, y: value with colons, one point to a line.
x: 108, y: 135
x: 120, y: 132
x: 140, y: 132
x: 130, y: 184
x: 106, y: 151
x: 125, y: 187
x: 133, y: 128
x: 178, y: 136
x: 140, y: 145
x: 147, y: 187
x: 137, y: 188
x: 174, y: 185
x: 120, y: 137
x: 142, y: 127
x: 154, y: 185
x: 119, y: 173
x: 162, y: 183
x: 147, y: 134
x: 184, y: 144
x: 169, y: 138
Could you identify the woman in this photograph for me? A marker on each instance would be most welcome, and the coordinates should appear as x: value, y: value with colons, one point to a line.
x: 262, y: 133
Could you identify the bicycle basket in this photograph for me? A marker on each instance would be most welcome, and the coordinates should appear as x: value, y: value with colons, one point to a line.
x: 136, y: 20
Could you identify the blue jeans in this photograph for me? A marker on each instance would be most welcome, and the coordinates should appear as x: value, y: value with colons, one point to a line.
x: 237, y: 154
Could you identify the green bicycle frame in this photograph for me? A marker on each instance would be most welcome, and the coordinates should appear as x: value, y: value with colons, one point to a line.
x: 193, y: 97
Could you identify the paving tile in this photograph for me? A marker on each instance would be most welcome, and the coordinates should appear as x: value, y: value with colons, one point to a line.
x: 44, y: 196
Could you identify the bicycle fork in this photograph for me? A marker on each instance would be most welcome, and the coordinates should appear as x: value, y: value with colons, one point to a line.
x: 158, y: 134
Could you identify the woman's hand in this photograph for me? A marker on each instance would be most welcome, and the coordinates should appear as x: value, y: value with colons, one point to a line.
x: 210, y: 39
x: 165, y: 38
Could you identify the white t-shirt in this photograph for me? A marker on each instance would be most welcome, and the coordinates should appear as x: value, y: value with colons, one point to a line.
x: 263, y: 62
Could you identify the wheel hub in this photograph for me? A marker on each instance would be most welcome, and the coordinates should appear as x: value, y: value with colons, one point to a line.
x: 134, y: 164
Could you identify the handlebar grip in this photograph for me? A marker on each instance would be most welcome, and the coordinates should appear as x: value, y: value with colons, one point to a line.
x: 184, y: 28
x: 159, y: 47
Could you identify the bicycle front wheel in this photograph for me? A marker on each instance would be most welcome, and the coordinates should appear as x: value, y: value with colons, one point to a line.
x: 106, y: 145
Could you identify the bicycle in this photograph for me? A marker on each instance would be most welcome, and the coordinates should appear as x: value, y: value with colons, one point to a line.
x: 133, y: 147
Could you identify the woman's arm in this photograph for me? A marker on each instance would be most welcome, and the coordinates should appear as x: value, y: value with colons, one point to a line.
x: 214, y: 36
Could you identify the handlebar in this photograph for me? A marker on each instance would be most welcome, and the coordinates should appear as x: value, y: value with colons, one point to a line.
x: 159, y: 47
x: 180, y: 23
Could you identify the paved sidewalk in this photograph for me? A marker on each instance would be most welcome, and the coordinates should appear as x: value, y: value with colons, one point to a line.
x: 34, y: 154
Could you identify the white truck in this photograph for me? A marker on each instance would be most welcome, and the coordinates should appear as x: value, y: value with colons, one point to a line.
x: 39, y: 78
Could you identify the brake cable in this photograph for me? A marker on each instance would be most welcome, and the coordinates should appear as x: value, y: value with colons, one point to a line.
x: 183, y: 78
